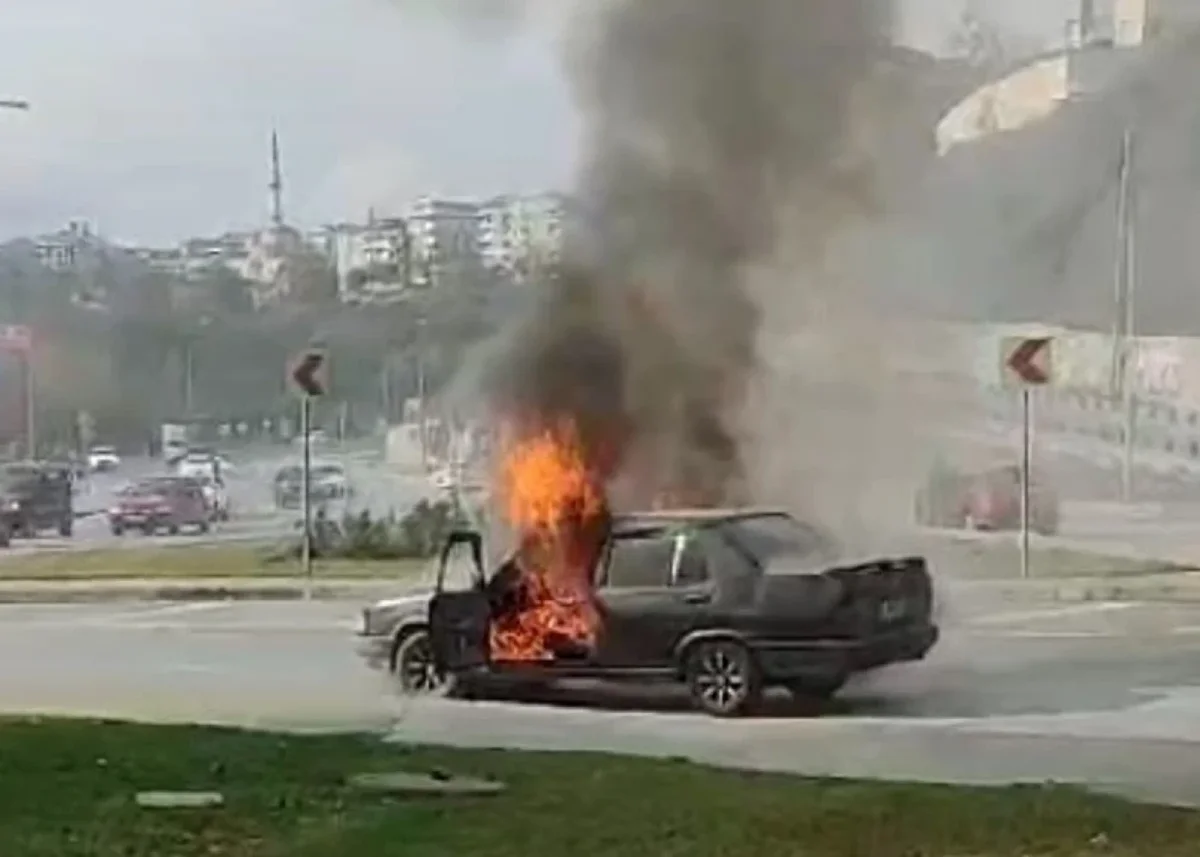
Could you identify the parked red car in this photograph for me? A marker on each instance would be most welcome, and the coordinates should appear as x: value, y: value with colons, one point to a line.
x: 160, y: 504
x: 987, y: 500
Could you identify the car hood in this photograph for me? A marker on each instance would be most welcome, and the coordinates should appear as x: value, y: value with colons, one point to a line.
x: 404, y: 603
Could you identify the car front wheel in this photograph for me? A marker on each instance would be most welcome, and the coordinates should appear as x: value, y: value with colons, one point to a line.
x: 416, y: 669
x: 723, y: 678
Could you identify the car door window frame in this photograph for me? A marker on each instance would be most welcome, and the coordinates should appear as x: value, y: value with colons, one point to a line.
x: 683, y: 542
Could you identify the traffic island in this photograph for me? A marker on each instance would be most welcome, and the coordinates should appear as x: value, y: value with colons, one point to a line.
x: 195, y: 573
x: 67, y: 788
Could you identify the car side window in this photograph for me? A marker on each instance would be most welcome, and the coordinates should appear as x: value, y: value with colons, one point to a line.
x: 639, y: 563
x: 691, y: 563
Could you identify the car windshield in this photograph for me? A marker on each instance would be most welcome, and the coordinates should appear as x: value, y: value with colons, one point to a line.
x: 769, y: 536
x: 147, y: 489
x: 103, y: 450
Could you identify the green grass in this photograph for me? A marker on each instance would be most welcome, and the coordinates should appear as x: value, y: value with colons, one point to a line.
x: 67, y: 789
x: 189, y: 562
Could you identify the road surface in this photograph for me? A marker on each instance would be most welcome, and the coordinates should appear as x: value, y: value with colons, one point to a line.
x: 1108, y: 693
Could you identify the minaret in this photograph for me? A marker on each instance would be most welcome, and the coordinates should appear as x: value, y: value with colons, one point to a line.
x: 276, y: 185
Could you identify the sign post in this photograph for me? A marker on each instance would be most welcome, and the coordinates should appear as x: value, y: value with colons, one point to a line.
x: 307, y: 376
x: 1026, y: 362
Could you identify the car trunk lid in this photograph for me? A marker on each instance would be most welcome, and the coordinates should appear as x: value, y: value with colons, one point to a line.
x: 883, y: 593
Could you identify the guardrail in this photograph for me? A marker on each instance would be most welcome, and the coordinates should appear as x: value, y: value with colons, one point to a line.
x: 1162, y: 426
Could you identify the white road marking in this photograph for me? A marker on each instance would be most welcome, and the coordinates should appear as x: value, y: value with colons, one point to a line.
x: 1016, y: 618
x: 139, y: 617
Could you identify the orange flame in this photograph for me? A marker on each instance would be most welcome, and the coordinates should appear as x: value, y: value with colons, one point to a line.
x: 555, y: 501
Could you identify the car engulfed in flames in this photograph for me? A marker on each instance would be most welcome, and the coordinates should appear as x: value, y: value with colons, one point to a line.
x: 555, y: 504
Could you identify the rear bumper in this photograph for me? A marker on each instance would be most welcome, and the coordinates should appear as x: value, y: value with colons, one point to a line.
x: 134, y: 520
x: 828, y: 659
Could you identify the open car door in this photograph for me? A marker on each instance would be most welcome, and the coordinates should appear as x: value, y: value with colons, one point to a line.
x: 459, y: 617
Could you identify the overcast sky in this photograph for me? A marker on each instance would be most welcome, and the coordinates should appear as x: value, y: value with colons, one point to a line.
x: 152, y: 118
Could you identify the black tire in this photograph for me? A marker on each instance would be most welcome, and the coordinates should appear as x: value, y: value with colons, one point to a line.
x: 117, y: 530
x: 5, y: 536
x: 723, y: 678
x: 414, y: 669
x: 202, y: 527
x: 172, y: 529
x: 66, y: 527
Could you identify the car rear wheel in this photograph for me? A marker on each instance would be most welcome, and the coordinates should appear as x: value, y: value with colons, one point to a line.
x: 416, y: 668
x: 117, y: 530
x: 723, y: 678
x: 66, y: 527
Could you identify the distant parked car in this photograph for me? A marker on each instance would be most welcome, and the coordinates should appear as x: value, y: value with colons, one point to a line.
x: 103, y: 459
x: 35, y: 497
x: 328, y: 481
x: 152, y: 505
x: 174, y: 451
x: 985, y: 500
x: 201, y: 463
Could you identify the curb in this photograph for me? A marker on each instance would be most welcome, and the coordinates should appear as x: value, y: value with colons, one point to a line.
x: 81, y: 592
x: 1181, y: 588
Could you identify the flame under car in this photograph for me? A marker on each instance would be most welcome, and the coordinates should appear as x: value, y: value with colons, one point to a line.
x: 728, y: 602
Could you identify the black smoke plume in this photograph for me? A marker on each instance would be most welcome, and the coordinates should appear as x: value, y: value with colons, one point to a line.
x: 710, y: 124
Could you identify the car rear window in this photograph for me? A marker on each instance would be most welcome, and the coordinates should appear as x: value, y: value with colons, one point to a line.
x: 766, y: 537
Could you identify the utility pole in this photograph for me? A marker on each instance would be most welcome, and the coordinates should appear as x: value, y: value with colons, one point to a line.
x: 422, y: 424
x: 1125, y: 338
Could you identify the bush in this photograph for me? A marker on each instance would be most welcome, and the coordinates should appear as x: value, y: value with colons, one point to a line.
x: 419, y: 534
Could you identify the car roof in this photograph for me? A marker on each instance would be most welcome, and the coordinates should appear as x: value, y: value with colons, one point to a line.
x: 693, y: 517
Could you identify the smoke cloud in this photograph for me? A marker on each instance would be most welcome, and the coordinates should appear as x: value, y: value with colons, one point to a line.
x: 719, y: 142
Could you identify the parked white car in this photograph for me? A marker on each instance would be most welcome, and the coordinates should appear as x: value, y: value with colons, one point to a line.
x: 102, y: 459
x: 203, y: 464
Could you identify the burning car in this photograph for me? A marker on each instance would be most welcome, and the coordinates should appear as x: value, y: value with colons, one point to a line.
x: 728, y: 602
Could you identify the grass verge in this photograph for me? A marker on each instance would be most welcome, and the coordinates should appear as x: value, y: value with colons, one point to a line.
x: 67, y: 789
x: 190, y: 562
x: 998, y: 557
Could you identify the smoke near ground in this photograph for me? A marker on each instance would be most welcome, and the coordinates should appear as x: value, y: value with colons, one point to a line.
x: 716, y: 149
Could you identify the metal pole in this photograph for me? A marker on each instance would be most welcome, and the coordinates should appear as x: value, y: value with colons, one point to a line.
x: 1026, y: 463
x: 1129, y: 333
x: 187, y: 378
x: 306, y: 493
x: 30, y: 407
x: 422, y: 425
x: 1120, y: 283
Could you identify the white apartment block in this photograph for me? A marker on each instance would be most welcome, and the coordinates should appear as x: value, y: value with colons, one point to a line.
x: 443, y: 241
x: 521, y: 235
x: 373, y: 261
x: 70, y: 249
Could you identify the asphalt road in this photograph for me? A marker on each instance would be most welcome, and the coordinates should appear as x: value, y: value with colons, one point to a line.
x: 1107, y: 693
x: 249, y: 487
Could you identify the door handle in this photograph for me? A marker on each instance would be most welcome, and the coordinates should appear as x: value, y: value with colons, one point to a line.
x: 697, y: 598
